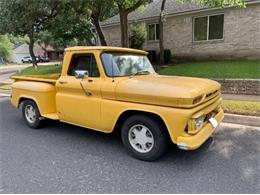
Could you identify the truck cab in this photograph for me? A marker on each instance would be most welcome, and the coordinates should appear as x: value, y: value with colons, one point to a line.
x: 109, y: 88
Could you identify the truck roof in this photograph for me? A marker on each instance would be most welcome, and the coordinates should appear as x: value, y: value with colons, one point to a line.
x: 104, y: 48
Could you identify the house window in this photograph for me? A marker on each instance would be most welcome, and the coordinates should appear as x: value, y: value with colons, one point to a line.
x: 153, y: 32
x: 208, y: 28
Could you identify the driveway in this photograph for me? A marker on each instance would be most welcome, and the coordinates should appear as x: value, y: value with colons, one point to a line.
x: 61, y: 158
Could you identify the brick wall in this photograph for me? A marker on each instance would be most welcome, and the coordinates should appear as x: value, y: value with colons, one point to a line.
x: 240, y: 86
x: 241, y: 36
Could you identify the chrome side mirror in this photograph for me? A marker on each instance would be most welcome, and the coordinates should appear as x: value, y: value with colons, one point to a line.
x: 81, y: 74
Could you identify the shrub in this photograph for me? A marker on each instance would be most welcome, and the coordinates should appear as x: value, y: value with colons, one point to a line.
x: 5, y: 47
x: 137, y: 35
x: 167, y: 56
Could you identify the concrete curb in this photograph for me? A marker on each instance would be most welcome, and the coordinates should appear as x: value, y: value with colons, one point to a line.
x: 242, y: 120
x: 5, y: 95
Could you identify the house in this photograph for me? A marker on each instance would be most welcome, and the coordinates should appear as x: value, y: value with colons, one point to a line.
x: 195, y: 32
x: 21, y: 51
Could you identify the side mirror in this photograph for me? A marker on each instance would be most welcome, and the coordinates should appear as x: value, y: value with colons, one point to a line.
x: 81, y: 74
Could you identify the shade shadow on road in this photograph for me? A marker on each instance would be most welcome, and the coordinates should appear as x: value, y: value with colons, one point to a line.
x: 62, y: 158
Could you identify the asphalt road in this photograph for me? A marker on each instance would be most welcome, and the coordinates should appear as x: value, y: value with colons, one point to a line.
x: 61, y: 158
x: 5, y: 78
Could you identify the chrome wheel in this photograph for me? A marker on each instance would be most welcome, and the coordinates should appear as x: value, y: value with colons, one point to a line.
x: 30, y: 113
x: 141, y: 138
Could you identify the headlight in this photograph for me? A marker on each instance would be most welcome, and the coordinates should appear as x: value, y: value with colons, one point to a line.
x: 198, y: 122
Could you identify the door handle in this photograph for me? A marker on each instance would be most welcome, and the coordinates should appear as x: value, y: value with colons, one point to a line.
x: 63, y: 82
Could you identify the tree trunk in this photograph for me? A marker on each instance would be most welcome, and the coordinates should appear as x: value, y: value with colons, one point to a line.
x: 124, y: 29
x: 31, y: 45
x: 99, y: 30
x: 161, y: 45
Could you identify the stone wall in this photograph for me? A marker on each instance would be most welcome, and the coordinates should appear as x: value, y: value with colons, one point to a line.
x: 241, y: 36
x: 240, y: 86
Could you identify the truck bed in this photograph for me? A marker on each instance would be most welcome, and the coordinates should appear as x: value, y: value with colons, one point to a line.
x: 51, y: 78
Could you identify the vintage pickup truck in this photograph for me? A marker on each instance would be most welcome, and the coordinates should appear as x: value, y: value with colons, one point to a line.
x: 110, y: 88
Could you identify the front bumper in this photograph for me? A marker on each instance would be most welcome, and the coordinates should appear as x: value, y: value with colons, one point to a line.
x: 192, y: 142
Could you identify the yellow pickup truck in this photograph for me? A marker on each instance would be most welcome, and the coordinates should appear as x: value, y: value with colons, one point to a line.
x: 109, y: 88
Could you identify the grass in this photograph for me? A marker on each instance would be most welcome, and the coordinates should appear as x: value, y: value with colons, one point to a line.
x: 251, y: 108
x: 5, y: 86
x: 50, y: 71
x: 249, y: 69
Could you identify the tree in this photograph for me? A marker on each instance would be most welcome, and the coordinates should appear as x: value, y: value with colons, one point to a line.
x: 161, y: 46
x: 5, y: 47
x: 100, y: 10
x: 72, y: 26
x: 26, y: 17
x: 17, y: 40
x: 125, y: 7
x: 204, y: 3
x: 137, y: 35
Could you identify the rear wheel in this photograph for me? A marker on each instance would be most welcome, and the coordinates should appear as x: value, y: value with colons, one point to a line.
x: 144, y: 137
x: 31, y: 114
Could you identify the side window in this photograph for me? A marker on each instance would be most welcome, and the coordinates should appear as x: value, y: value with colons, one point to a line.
x: 84, y: 62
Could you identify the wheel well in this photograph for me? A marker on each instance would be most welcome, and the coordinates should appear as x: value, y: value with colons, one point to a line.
x: 129, y: 113
x: 22, y: 99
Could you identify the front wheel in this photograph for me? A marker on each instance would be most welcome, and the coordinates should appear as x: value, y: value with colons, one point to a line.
x: 144, y: 137
x: 31, y: 114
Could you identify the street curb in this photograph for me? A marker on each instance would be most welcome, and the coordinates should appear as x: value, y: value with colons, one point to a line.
x: 5, y: 95
x: 242, y: 120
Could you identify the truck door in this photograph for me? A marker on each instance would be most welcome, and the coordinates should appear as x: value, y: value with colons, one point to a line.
x: 73, y: 104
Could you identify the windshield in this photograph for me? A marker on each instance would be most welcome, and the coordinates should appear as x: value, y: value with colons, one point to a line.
x: 119, y: 64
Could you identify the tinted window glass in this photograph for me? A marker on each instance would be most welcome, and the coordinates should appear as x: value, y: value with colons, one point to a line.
x: 151, y: 32
x: 84, y: 62
x: 216, y: 27
x: 200, y: 28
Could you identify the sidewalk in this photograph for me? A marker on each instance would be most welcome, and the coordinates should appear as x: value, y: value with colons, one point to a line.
x: 241, y: 97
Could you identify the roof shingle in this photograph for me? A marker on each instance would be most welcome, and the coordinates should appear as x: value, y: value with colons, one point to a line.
x: 153, y: 10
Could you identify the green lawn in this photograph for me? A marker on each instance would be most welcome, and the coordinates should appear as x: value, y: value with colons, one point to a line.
x: 42, y: 70
x: 251, y: 108
x: 216, y: 69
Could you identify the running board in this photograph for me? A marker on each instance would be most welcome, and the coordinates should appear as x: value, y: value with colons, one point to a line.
x: 53, y: 116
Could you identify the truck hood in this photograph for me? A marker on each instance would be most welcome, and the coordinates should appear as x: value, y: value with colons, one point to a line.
x: 171, y: 91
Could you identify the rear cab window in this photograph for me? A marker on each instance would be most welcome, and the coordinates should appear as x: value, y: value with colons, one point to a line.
x: 84, y: 62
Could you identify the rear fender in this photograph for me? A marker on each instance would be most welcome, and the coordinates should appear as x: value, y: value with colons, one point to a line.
x: 43, y: 94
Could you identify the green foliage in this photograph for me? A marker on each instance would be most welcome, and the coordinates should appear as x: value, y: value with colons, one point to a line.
x: 217, y: 3
x: 16, y: 40
x: 104, y: 8
x: 69, y: 28
x: 137, y: 35
x: 5, y: 47
x: 129, y: 4
x: 249, y: 69
x: 66, y: 21
x: 26, y: 17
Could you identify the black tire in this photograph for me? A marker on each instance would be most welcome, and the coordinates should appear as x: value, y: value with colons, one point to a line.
x: 35, y: 122
x: 158, y: 132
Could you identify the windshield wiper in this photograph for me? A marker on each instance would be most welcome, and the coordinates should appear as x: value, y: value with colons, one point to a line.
x: 141, y: 72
